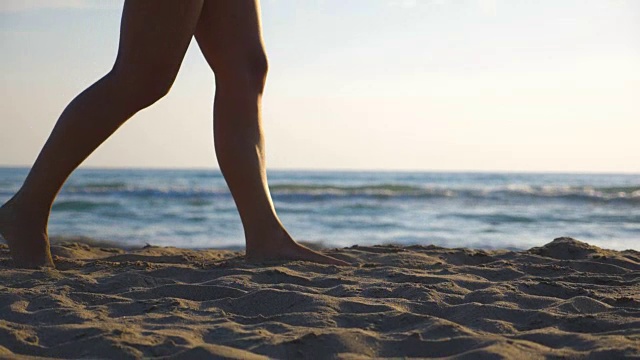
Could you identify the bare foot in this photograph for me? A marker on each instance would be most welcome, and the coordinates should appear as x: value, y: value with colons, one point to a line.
x: 283, y: 247
x: 29, y: 244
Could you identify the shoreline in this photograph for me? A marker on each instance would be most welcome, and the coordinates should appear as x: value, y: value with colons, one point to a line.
x: 564, y: 299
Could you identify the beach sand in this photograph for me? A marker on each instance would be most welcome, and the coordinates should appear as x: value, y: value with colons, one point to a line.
x: 566, y: 299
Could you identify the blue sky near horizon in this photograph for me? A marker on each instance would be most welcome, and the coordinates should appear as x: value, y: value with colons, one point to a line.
x: 488, y: 85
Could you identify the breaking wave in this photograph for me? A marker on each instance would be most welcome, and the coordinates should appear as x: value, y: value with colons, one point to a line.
x: 310, y: 191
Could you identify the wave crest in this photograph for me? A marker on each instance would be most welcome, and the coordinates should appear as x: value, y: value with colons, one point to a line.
x: 309, y: 191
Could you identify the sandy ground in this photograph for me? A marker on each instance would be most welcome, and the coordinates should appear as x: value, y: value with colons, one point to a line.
x: 566, y: 299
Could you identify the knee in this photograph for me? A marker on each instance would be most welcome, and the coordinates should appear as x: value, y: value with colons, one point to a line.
x: 257, y: 68
x: 248, y: 73
x: 143, y: 86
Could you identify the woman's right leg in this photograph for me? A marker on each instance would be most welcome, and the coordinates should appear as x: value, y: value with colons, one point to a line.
x: 230, y: 37
x: 154, y: 37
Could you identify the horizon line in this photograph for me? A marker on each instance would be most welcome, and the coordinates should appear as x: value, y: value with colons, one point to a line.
x: 350, y: 170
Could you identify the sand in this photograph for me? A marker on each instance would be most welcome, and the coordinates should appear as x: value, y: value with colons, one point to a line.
x: 566, y: 299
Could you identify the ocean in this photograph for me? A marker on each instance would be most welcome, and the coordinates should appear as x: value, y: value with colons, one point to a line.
x: 194, y: 209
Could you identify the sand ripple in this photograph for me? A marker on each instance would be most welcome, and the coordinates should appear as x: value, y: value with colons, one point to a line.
x: 565, y: 299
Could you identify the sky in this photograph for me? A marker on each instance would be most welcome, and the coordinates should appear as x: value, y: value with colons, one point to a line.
x: 442, y: 85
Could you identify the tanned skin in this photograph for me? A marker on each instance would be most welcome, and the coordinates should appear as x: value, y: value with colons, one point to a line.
x: 154, y: 36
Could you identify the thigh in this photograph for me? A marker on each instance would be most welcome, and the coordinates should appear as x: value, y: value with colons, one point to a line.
x: 155, y: 34
x: 229, y: 35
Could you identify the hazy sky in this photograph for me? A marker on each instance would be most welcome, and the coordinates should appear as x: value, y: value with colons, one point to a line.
x: 372, y: 84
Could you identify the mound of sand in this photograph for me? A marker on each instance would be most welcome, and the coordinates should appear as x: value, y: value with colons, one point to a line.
x: 565, y: 299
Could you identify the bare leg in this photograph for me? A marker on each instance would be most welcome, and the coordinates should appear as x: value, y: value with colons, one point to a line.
x: 230, y: 38
x: 154, y: 37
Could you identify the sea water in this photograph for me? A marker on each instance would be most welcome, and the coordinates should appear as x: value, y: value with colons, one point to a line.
x: 194, y: 209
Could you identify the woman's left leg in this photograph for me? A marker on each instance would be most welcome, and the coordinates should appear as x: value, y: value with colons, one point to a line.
x: 230, y: 38
x: 154, y: 36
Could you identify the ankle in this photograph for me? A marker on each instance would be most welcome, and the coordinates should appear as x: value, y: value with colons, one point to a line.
x: 258, y: 226
x: 19, y: 208
x: 267, y: 239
